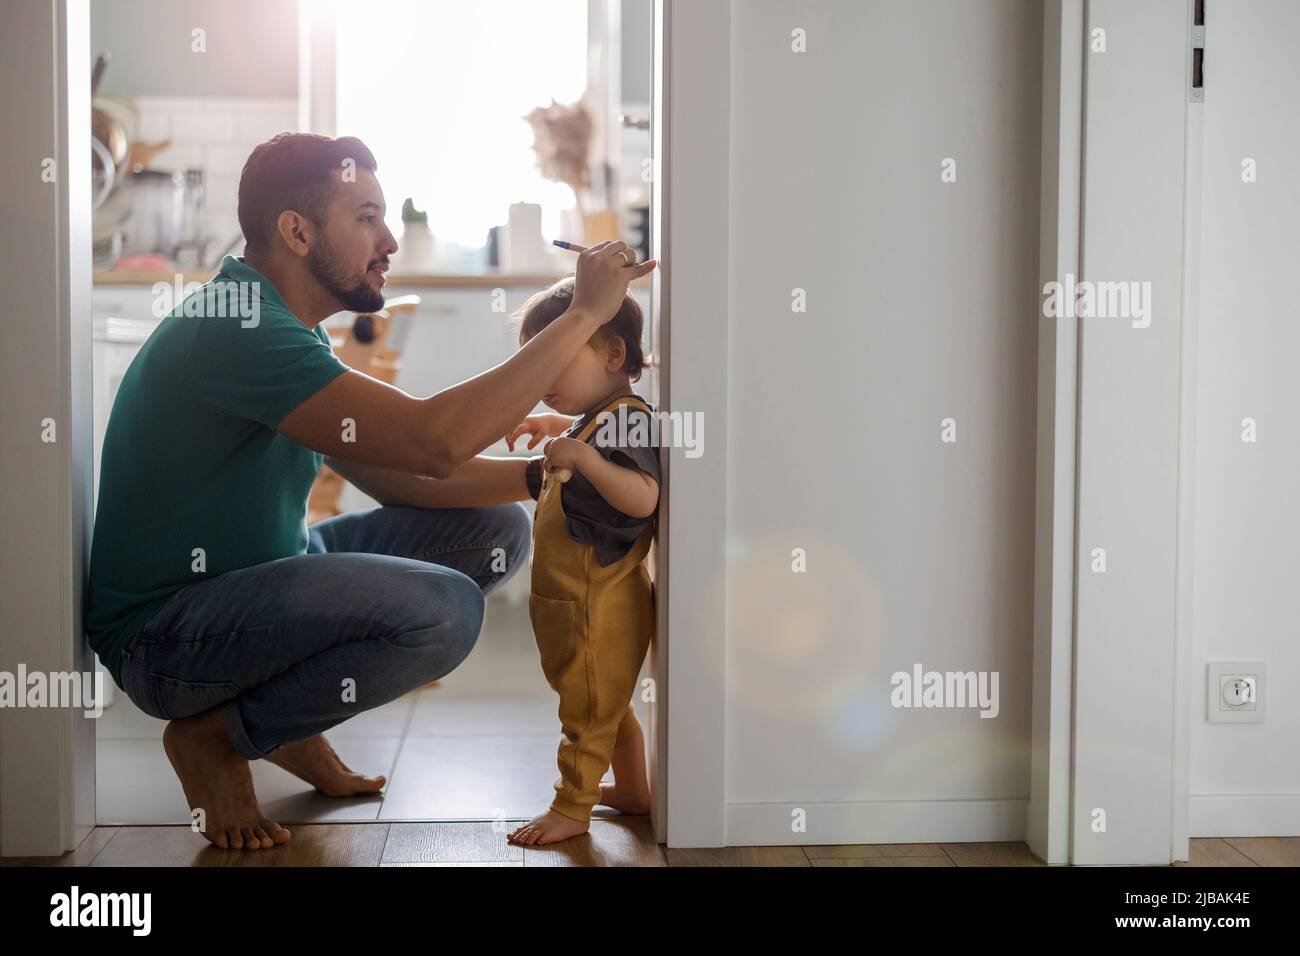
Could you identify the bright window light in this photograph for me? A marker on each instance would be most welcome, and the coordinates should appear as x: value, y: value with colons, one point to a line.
x: 438, y: 90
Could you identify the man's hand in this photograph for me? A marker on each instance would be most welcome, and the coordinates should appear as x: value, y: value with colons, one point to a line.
x: 539, y: 427
x: 603, y: 273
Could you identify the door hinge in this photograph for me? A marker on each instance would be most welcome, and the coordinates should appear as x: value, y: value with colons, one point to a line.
x: 1196, y: 81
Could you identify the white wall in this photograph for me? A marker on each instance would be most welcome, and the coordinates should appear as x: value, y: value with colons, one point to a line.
x: 251, y: 47
x: 1245, y: 778
x: 921, y: 305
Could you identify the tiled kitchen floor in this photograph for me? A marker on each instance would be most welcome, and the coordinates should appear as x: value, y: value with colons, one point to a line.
x: 480, y: 745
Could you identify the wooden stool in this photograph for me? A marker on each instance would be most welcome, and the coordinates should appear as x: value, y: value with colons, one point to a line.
x: 364, y: 348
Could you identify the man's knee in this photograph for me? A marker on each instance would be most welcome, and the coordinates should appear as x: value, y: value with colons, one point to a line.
x: 514, y: 536
x: 444, y: 620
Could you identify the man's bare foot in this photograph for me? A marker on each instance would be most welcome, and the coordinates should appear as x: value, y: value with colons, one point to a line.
x: 630, y: 791
x: 549, y: 827
x: 216, y: 780
x: 315, y: 761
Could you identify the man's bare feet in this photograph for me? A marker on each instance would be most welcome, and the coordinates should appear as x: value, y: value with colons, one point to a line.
x: 315, y: 761
x: 630, y: 791
x: 217, y: 781
x: 549, y: 827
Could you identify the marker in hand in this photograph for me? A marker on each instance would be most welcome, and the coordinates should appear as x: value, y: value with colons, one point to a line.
x: 574, y: 247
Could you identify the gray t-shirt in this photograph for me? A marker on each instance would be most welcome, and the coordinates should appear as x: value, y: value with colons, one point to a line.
x: 592, y: 520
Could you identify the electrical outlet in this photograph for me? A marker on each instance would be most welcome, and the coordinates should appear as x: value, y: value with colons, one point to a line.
x: 1235, y: 693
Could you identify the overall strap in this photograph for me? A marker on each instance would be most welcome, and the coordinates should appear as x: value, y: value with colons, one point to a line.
x: 634, y: 400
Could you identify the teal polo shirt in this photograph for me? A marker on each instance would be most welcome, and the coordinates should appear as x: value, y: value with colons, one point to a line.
x: 194, y: 479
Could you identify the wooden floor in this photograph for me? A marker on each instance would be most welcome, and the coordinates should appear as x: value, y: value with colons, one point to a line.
x: 611, y: 842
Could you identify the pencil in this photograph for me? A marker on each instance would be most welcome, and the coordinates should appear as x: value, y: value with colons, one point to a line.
x: 571, y: 246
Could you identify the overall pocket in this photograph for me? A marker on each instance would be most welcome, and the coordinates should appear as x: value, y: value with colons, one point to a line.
x: 555, y: 628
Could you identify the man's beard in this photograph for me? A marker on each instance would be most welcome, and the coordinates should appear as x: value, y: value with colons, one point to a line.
x: 354, y: 293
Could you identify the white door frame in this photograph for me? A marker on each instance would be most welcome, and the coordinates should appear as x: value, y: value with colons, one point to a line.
x: 1131, y: 497
x: 1047, y: 815
x: 691, y: 288
x: 47, y: 796
x: 1112, y: 675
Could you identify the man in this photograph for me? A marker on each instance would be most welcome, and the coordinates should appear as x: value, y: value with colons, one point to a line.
x: 210, y: 601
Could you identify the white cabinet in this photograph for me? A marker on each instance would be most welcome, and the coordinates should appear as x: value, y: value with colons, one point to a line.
x: 122, y: 320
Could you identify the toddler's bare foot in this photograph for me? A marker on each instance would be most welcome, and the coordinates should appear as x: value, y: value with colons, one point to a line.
x: 630, y: 791
x: 549, y: 827
x: 625, y: 799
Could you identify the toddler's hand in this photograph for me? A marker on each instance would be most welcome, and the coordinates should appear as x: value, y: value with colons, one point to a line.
x: 539, y: 426
x: 565, y: 454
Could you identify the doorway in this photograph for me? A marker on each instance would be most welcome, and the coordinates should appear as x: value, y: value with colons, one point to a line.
x: 480, y: 744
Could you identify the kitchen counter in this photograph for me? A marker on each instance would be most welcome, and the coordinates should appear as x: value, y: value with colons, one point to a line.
x: 399, y: 280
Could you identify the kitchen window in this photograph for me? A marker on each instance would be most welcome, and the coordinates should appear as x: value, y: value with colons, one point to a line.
x: 439, y: 91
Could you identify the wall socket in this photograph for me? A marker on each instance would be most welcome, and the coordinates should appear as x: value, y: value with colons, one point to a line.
x: 1235, y: 693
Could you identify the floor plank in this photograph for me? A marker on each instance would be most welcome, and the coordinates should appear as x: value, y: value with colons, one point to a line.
x: 1268, y: 851
x: 737, y: 856
x: 162, y: 846
x: 1211, y: 851
x: 990, y: 854
x: 610, y: 842
x: 420, y: 844
x: 862, y: 851
x: 886, y: 861
x: 516, y: 863
x: 325, y: 844
x: 89, y: 848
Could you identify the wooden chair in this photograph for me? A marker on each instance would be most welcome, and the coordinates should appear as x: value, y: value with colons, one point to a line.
x: 365, y: 348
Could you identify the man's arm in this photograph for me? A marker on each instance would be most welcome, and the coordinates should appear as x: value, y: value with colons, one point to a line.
x: 479, y: 483
x: 360, y: 419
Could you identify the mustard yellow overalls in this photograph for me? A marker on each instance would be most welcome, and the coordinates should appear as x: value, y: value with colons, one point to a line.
x: 593, y: 626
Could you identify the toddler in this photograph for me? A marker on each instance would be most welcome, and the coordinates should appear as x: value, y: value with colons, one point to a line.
x: 591, y: 604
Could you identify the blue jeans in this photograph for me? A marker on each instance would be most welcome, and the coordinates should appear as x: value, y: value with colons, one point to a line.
x: 383, y: 602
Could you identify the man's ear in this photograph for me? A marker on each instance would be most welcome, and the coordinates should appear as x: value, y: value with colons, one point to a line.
x: 615, y: 353
x: 297, y: 231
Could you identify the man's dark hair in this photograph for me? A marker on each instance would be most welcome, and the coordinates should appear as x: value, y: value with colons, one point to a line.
x: 297, y: 171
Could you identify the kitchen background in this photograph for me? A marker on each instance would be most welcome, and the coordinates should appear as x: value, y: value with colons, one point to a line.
x: 461, y: 103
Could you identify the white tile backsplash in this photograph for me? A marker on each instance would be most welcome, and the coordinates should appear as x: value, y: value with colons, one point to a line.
x: 214, y: 134
x: 206, y: 126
